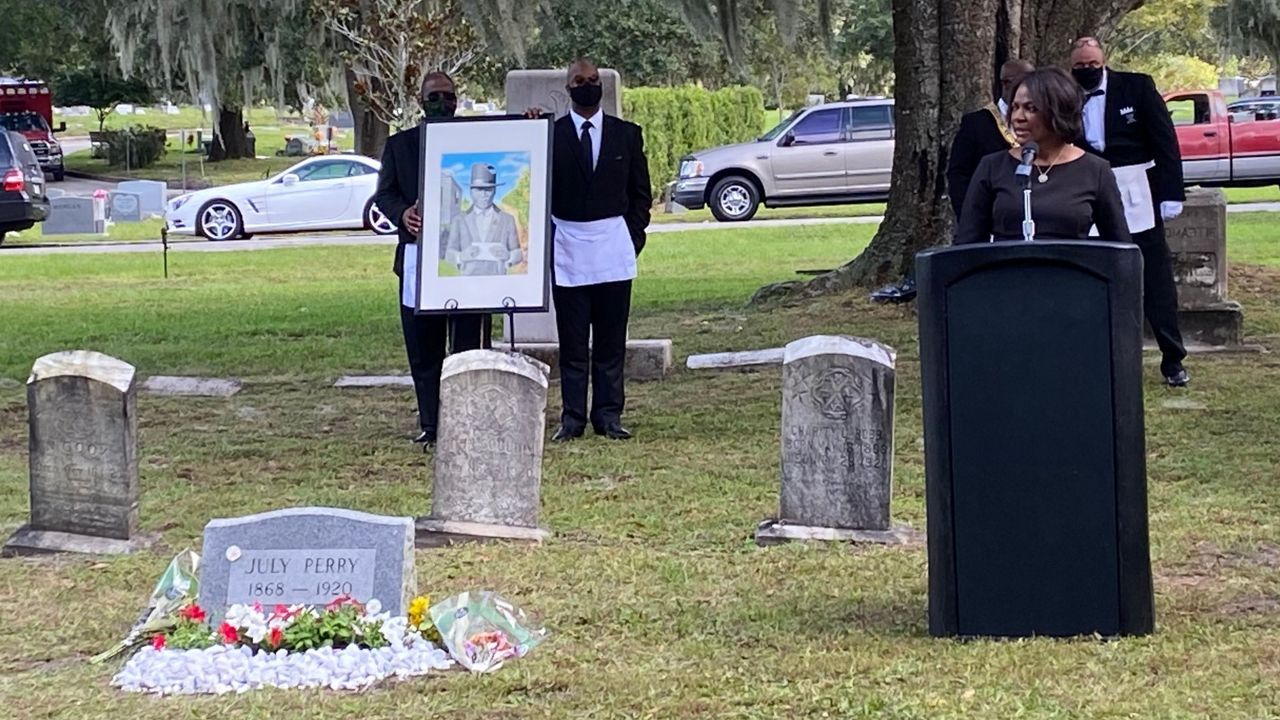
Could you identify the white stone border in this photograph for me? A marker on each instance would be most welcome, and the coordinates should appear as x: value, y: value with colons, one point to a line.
x: 84, y: 363
x: 516, y: 363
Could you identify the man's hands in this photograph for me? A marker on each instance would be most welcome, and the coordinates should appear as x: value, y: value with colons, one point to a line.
x: 1170, y: 210
x: 411, y: 220
x: 533, y: 113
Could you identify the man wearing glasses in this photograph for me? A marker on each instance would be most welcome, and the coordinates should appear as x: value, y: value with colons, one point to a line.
x: 426, y: 337
x: 1127, y: 123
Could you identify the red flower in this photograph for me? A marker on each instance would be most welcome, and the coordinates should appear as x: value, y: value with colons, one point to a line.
x: 277, y: 637
x: 157, y: 642
x: 281, y: 611
x: 230, y: 636
x: 192, y: 612
x: 342, y: 601
x: 257, y: 606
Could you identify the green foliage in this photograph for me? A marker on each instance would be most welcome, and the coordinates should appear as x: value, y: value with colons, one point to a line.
x: 134, y: 146
x: 304, y: 633
x: 1251, y: 27
x: 338, y: 627
x: 190, y: 635
x: 1177, y: 72
x: 101, y: 91
x: 681, y: 120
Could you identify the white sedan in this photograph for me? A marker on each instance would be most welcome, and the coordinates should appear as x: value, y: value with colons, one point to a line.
x: 328, y: 192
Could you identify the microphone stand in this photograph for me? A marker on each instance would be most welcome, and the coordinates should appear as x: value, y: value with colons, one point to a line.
x: 1028, y: 224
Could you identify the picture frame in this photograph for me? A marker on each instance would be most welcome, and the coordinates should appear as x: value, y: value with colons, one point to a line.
x: 485, y: 199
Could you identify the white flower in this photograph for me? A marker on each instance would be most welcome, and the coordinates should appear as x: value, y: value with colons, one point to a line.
x: 373, y: 607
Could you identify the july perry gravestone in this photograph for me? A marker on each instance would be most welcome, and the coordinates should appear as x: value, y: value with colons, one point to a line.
x: 308, y: 556
x: 488, y: 467
x: 83, y: 426
x: 837, y: 442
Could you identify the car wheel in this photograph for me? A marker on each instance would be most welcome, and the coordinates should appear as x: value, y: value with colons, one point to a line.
x: 219, y: 220
x: 376, y: 221
x: 734, y: 199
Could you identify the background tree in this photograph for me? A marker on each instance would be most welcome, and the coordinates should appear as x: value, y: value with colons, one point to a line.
x: 388, y: 45
x: 1251, y: 27
x: 101, y: 91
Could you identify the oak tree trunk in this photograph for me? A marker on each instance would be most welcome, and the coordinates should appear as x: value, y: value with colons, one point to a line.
x: 946, y: 59
x: 371, y: 132
x: 230, y: 141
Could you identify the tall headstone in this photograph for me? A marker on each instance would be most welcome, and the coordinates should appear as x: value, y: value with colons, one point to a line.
x: 125, y: 207
x: 837, y: 442
x: 488, y: 463
x: 83, y: 426
x: 71, y: 216
x: 150, y: 192
x: 308, y: 556
x: 1198, y: 243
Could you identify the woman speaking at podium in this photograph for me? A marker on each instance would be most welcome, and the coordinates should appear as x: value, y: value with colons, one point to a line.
x: 1071, y: 190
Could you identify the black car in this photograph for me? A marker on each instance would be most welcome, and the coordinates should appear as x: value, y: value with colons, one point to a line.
x: 23, y: 202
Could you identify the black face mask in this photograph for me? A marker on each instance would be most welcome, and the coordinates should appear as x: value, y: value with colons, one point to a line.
x: 587, y: 96
x: 440, y: 104
x: 1088, y: 77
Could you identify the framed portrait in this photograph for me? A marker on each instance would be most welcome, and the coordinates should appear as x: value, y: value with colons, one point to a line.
x: 486, y: 215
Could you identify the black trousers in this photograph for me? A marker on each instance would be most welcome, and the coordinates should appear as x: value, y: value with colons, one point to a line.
x: 592, y: 323
x: 1159, y: 294
x: 428, y: 338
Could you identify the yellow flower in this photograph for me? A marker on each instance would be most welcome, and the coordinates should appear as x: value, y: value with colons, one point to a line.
x: 418, y: 610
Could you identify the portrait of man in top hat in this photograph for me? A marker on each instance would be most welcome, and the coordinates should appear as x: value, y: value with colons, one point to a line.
x: 483, y: 240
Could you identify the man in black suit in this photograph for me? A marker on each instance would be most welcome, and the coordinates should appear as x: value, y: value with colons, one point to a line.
x: 426, y: 337
x: 981, y: 133
x: 600, y: 205
x: 1126, y: 122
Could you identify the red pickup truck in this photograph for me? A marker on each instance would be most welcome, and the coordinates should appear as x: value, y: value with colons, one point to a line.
x: 1220, y: 148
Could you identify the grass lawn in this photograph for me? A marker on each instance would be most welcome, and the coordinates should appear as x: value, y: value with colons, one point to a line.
x: 189, y: 117
x: 659, y: 603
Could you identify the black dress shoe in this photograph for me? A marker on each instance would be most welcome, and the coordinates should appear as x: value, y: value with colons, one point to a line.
x: 1175, y: 375
x: 566, y: 433
x: 614, y: 431
x: 426, y: 436
x: 903, y: 292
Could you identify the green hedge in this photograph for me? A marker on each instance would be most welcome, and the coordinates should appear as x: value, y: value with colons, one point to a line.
x: 134, y: 147
x: 681, y: 120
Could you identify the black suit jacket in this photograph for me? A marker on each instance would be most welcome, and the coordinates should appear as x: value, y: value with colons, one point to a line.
x: 1137, y: 129
x: 978, y: 137
x: 619, y: 185
x: 398, y: 185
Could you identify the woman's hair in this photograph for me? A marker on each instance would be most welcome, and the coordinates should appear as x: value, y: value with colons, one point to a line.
x: 1058, y: 100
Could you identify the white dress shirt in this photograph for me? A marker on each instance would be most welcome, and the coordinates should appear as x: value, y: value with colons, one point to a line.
x: 1095, y: 117
x: 596, y: 132
x: 409, y: 281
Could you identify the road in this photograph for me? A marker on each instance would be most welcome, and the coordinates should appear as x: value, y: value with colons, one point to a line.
x: 80, y: 186
x: 270, y: 242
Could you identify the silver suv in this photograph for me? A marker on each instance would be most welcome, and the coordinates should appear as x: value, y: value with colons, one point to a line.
x: 828, y: 154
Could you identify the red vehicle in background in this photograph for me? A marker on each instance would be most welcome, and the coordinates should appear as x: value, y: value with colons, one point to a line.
x: 26, y: 107
x: 1221, y: 148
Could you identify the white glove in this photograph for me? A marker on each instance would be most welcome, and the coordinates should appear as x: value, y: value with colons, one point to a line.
x: 1170, y: 210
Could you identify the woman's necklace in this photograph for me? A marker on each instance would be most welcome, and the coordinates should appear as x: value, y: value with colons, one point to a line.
x: 1044, y: 174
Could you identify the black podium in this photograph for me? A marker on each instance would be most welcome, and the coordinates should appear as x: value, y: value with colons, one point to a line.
x: 1031, y: 357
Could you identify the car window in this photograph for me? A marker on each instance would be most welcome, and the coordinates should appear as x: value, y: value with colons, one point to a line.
x: 325, y: 170
x: 6, y: 155
x: 358, y: 169
x: 777, y: 129
x: 22, y: 149
x: 819, y: 126
x: 871, y: 117
x: 1189, y: 110
x: 23, y: 121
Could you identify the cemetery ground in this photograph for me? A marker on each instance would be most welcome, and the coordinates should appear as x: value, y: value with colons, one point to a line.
x: 659, y: 603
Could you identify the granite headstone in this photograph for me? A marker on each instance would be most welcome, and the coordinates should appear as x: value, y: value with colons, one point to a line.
x: 837, y: 439
x: 1198, y: 244
x: 488, y: 463
x: 71, y: 216
x: 126, y: 207
x: 308, y: 556
x: 83, y: 427
x: 151, y: 194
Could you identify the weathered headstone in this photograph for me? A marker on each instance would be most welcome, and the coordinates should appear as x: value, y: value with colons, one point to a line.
x: 488, y: 466
x: 546, y: 89
x: 151, y: 194
x: 1198, y: 243
x: 126, y: 207
x: 837, y: 442
x: 71, y: 216
x: 83, y: 426
x: 308, y: 556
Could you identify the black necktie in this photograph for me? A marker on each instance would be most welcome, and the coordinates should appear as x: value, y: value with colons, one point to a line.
x: 586, y: 147
x: 1096, y: 93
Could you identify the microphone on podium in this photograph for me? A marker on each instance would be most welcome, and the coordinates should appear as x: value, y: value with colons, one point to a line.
x: 1029, y: 151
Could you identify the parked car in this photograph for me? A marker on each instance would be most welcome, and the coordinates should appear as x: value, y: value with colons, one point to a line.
x: 1221, y: 148
x: 822, y: 155
x: 23, y: 202
x: 329, y: 192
